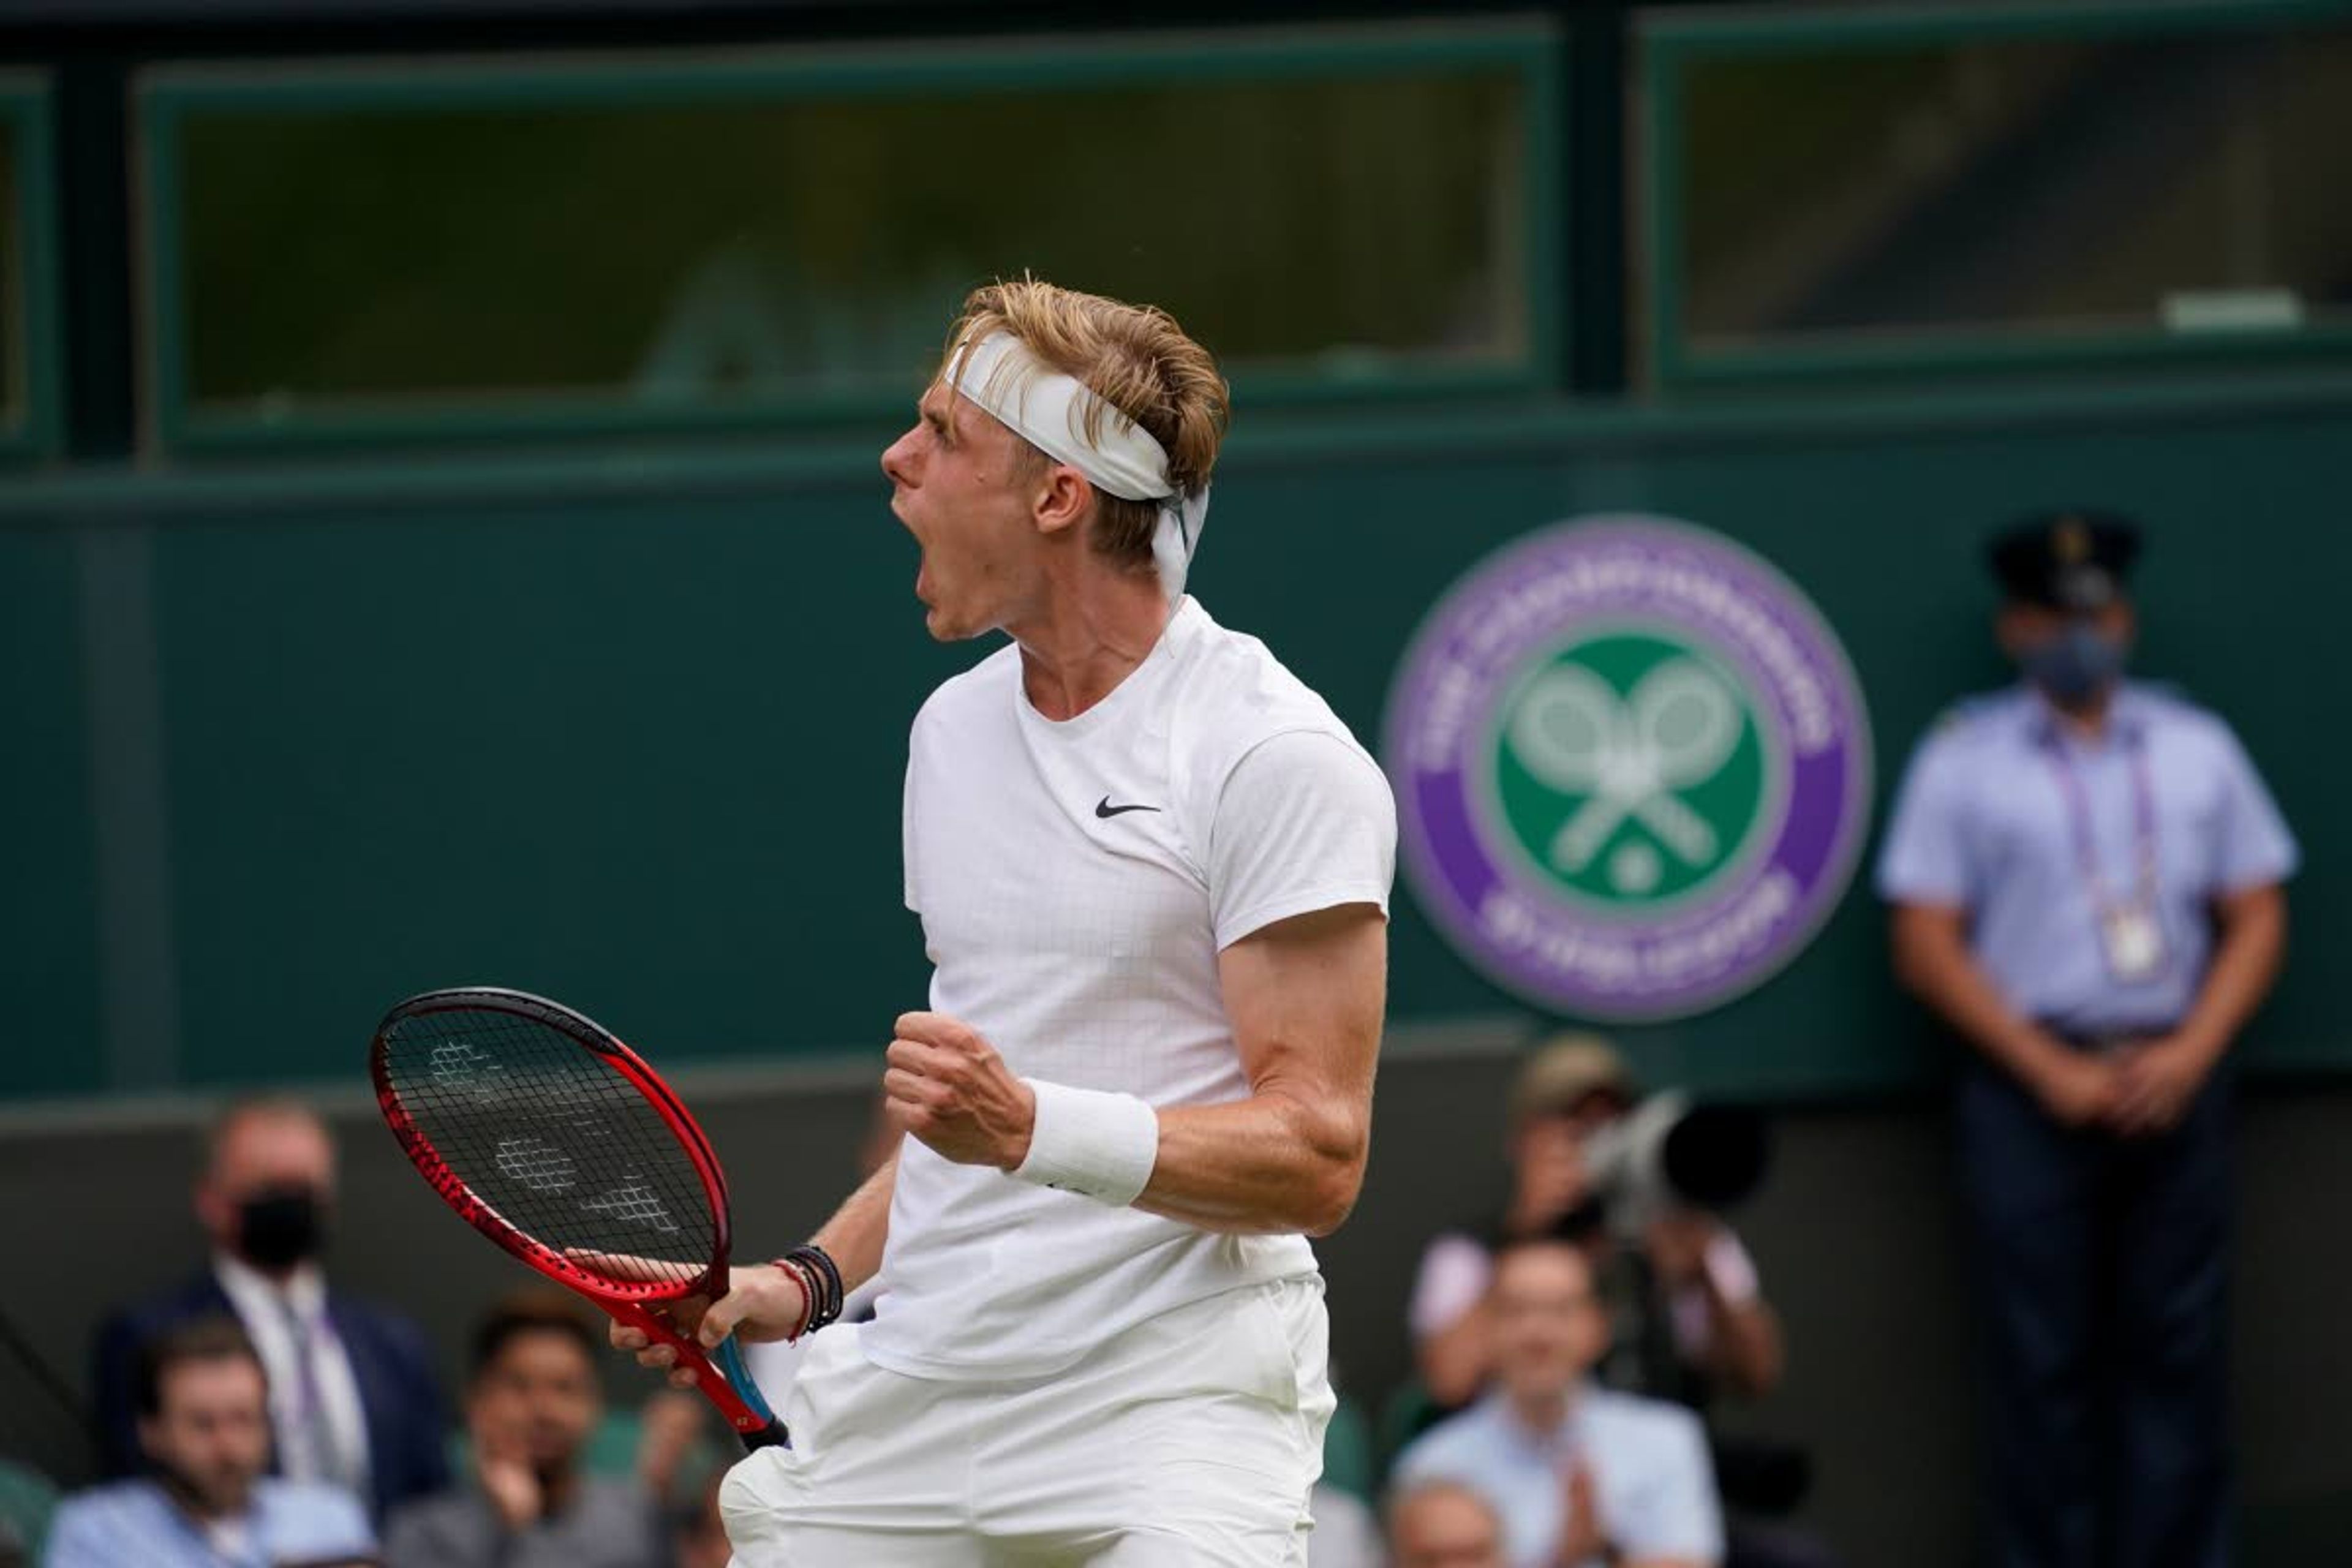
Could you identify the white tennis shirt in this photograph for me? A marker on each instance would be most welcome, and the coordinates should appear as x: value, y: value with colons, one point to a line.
x: 1076, y: 881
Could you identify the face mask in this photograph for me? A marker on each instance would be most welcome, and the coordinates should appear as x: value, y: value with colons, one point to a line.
x: 2076, y: 664
x: 279, y: 1228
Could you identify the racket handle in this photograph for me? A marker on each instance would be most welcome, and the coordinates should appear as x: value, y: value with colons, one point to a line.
x: 728, y: 1357
x: 720, y: 1373
x: 771, y: 1435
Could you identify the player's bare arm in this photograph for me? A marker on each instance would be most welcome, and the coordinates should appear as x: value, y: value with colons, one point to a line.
x: 1305, y: 996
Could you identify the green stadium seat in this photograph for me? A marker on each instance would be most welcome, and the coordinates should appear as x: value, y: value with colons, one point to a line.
x: 28, y: 1498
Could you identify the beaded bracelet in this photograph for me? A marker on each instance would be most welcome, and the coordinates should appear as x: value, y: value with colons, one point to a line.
x: 820, y: 1283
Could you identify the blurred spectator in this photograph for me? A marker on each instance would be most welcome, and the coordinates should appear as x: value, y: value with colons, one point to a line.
x: 1444, y: 1524
x: 1346, y: 1535
x: 669, y: 1454
x: 352, y: 1397
x: 200, y: 1404
x: 28, y: 1500
x: 530, y: 1406
x: 1580, y: 1476
x: 1688, y: 1309
x: 702, y: 1533
x: 2085, y: 875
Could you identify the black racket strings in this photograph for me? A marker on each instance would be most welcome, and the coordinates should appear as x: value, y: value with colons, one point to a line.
x: 552, y: 1137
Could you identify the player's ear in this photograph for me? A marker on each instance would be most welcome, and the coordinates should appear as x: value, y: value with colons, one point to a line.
x: 1064, y: 497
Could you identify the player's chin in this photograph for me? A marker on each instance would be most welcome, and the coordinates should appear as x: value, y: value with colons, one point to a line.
x: 946, y: 624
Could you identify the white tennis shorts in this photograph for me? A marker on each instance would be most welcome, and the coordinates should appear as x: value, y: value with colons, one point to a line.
x: 1190, y: 1441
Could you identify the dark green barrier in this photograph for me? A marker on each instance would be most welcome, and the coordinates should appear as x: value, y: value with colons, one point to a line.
x: 49, y: 989
x: 632, y: 732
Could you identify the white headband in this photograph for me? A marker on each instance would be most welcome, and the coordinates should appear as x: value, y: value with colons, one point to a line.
x: 1053, y: 410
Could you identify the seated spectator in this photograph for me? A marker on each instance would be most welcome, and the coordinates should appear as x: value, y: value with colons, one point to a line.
x: 27, y: 1499
x: 1580, y: 1476
x: 1444, y: 1524
x: 1345, y: 1533
x: 701, y: 1539
x: 669, y: 1456
x: 531, y: 1404
x: 352, y: 1396
x: 1687, y: 1311
x: 203, y: 1420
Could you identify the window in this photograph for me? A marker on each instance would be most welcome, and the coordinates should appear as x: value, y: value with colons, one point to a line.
x: 30, y: 397
x: 458, y: 250
x: 1999, y: 187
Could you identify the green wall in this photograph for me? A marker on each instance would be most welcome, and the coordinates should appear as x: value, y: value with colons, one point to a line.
x: 628, y: 729
x: 48, y: 919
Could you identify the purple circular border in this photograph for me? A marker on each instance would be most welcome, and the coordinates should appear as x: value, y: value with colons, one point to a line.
x: 1825, y: 807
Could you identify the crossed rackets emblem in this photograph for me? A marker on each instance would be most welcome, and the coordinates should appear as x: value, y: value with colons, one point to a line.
x: 1629, y: 756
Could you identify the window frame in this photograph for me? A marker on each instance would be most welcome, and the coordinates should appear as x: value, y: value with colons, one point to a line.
x: 28, y: 108
x: 167, y: 97
x: 1669, y: 44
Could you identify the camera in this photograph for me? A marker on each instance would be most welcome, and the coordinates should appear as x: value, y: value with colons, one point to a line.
x: 1668, y: 1152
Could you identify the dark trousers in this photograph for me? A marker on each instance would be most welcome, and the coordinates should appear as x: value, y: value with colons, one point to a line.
x: 2104, y: 1262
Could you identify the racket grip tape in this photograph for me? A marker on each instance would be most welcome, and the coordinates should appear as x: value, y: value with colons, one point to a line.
x: 729, y: 1359
x: 720, y: 1373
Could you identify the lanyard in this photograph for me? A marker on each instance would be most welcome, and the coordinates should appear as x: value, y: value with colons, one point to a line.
x: 2086, y: 848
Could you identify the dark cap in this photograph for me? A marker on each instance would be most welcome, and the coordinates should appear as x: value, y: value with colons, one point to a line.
x: 2071, y: 560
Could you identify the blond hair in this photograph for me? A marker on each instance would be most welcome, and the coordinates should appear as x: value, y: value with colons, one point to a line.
x: 1135, y: 358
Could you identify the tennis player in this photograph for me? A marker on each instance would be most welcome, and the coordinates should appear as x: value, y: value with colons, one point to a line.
x: 1153, y: 870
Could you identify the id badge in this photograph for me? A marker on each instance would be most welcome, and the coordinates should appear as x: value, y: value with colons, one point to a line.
x: 2134, y: 939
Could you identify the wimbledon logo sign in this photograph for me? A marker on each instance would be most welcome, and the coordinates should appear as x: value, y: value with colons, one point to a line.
x: 1631, y: 767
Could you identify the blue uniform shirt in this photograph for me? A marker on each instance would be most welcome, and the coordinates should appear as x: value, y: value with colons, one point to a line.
x: 1982, y: 822
x: 1654, y: 1485
x: 133, y: 1522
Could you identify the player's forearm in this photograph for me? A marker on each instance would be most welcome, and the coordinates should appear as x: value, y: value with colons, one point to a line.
x: 1270, y: 1164
x: 854, y: 1237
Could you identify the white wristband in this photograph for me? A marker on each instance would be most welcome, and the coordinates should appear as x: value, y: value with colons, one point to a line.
x: 1087, y: 1142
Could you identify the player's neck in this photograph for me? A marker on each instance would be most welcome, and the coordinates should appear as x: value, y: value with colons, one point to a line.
x: 1088, y: 633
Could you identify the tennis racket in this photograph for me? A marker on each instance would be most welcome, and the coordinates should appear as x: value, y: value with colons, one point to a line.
x: 557, y: 1142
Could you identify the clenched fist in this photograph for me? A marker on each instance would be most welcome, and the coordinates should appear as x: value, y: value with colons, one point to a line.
x: 948, y: 1088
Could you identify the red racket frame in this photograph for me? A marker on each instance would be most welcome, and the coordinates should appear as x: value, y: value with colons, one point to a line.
x: 624, y: 1300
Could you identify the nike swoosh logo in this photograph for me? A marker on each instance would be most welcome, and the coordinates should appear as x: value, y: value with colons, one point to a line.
x: 1103, y: 808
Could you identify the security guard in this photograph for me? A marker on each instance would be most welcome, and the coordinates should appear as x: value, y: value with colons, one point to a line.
x: 2085, y: 874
